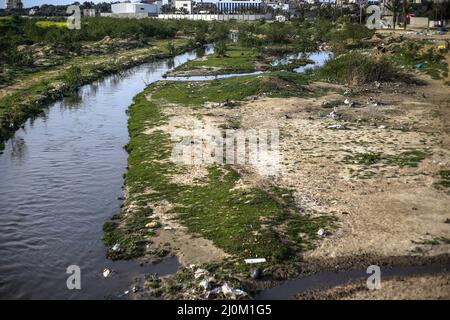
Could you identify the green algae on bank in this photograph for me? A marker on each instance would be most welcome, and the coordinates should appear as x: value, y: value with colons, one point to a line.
x: 257, y: 222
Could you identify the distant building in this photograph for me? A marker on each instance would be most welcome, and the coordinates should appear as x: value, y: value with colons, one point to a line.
x: 183, y: 5
x: 89, y: 13
x: 280, y: 5
x: 134, y: 9
x: 14, y: 4
x: 232, y: 6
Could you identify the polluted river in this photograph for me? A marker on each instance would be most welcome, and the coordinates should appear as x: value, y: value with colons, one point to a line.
x: 62, y: 178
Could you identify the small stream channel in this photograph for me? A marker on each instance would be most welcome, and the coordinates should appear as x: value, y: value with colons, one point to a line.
x: 61, y: 178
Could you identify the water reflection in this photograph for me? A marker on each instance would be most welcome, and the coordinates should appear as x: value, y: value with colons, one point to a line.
x: 19, y: 148
x: 61, y: 177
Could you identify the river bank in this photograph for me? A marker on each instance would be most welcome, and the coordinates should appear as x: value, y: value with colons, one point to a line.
x: 355, y: 157
x: 62, y: 178
x: 30, y: 95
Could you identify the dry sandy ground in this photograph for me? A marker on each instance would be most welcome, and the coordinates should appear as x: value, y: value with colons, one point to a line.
x: 389, y: 211
x: 412, y: 288
x: 190, y: 249
x: 383, y: 210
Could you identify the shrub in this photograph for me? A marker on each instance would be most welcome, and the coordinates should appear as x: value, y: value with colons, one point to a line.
x: 358, y: 68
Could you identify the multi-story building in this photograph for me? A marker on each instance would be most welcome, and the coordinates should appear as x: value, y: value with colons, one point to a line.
x: 231, y: 6
x: 14, y: 4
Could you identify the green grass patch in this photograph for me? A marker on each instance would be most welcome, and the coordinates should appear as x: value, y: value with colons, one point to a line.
x: 362, y: 158
x: 236, y: 59
x: 358, y: 68
x: 250, y: 223
x: 408, y: 158
x: 444, y: 180
x: 413, y: 55
x: 275, y: 84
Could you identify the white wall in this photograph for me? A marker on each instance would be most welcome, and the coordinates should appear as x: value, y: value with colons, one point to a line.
x: 219, y: 17
x: 118, y: 8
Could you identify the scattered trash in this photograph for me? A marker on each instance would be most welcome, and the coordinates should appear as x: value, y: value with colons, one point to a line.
x: 227, y: 291
x: 447, y: 220
x: 321, y: 232
x: 256, y: 273
x: 336, y: 126
x: 346, y: 93
x: 420, y: 65
x: 382, y: 127
x: 106, y: 272
x: 135, y: 289
x: 152, y: 224
x: 287, y: 116
x: 116, y: 247
x: 204, y: 284
x: 255, y: 260
x: 200, y: 273
x: 228, y: 104
x: 334, y: 114
x: 346, y: 101
x: 168, y: 228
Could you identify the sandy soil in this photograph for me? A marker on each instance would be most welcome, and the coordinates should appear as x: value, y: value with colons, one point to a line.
x: 411, y: 288
x: 190, y: 249
x: 383, y: 210
x: 390, y: 211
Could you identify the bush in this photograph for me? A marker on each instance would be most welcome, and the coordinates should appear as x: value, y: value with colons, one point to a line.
x: 221, y: 48
x: 358, y: 68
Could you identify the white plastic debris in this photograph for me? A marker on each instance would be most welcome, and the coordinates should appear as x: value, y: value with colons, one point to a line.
x: 333, y: 114
x: 227, y: 291
x: 106, y: 272
x: 346, y: 101
x: 204, y: 284
x: 321, y: 232
x: 336, y: 126
x: 200, y: 273
x: 152, y: 224
x: 230, y: 292
x: 116, y: 247
x: 255, y: 260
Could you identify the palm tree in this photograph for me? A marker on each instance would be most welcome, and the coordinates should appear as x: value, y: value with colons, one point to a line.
x: 395, y: 7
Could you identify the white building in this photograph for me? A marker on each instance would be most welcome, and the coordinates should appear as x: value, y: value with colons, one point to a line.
x: 131, y: 9
x: 89, y: 12
x: 230, y: 6
x: 278, y: 5
x: 183, y: 5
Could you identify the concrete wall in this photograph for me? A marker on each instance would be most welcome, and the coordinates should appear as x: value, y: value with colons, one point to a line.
x: 220, y: 17
x: 125, y: 15
x: 418, y: 22
x: 133, y: 8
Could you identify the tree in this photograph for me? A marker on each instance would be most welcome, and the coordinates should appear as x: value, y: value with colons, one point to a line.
x: 221, y: 48
x: 406, y: 6
x: 395, y: 6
